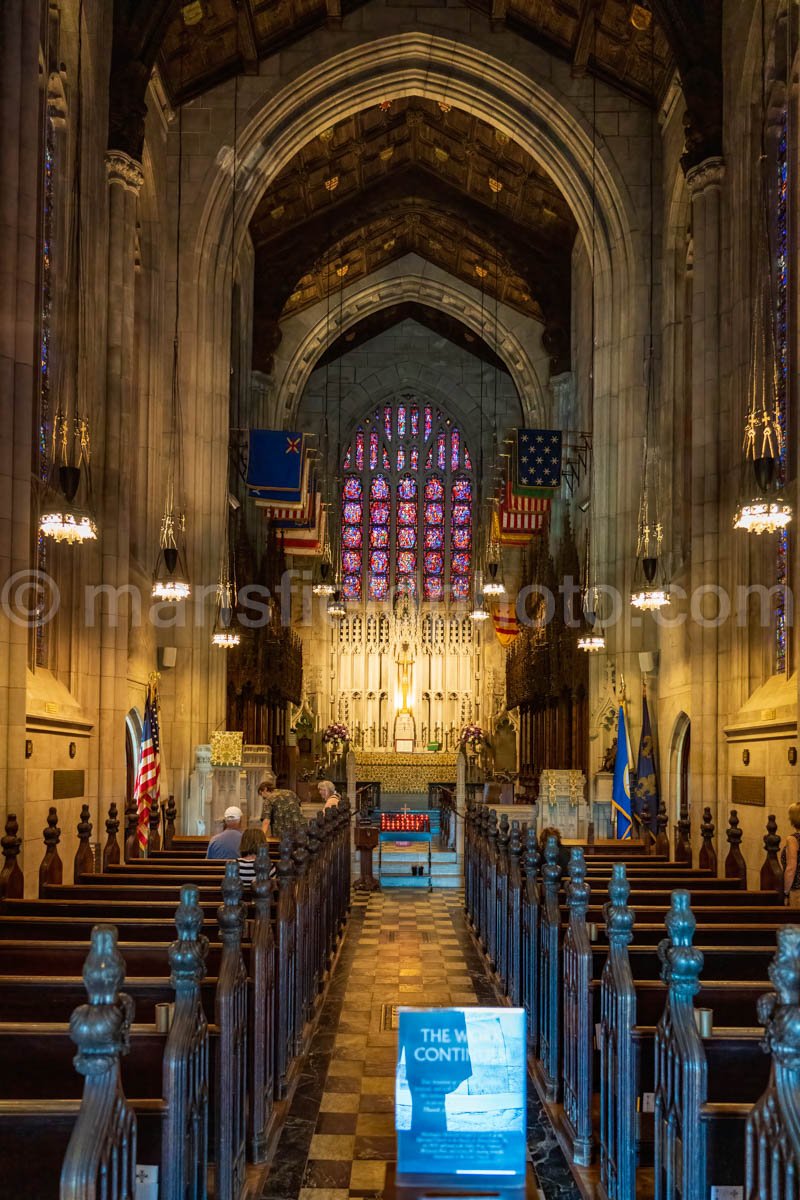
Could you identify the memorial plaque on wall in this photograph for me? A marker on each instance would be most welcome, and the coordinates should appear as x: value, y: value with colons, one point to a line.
x: 749, y: 789
x: 68, y: 785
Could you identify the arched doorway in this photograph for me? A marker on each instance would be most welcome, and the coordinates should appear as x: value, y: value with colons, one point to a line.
x: 133, y: 740
x: 680, y: 800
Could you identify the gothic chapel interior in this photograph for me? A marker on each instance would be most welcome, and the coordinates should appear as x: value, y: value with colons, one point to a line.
x: 401, y: 395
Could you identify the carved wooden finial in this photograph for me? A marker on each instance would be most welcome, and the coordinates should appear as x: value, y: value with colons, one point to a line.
x: 131, y: 832
x: 12, y: 881
x: 170, y: 816
x: 515, y: 840
x: 84, y: 859
x: 154, y: 821
x: 619, y: 918
x: 578, y: 891
x: 681, y: 962
x: 532, y: 856
x: 111, y: 853
x: 187, y: 955
x: 551, y: 872
x: 735, y: 866
x: 51, y: 870
x: 100, y: 1028
x: 707, y: 858
x: 779, y: 1011
x: 771, y: 872
x: 230, y: 914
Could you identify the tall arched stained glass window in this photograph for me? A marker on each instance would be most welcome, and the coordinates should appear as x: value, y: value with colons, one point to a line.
x: 781, y: 622
x: 407, y: 505
x: 352, y: 537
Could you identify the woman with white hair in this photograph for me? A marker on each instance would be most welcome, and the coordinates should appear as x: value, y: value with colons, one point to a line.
x: 328, y: 793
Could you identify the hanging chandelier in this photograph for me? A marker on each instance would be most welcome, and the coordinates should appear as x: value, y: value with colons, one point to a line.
x: 170, y: 576
x: 336, y: 607
x: 63, y: 517
x: 323, y: 582
x: 650, y: 591
x: 479, y: 611
x: 766, y: 511
x: 591, y: 638
x: 494, y: 583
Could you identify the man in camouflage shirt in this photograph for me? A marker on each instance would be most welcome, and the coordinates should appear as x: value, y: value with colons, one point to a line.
x: 280, y: 808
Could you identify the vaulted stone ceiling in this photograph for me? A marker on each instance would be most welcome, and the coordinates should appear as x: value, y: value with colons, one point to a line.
x: 210, y: 40
x: 413, y: 175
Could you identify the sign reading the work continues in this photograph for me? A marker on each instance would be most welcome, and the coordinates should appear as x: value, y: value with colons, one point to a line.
x: 460, y: 1094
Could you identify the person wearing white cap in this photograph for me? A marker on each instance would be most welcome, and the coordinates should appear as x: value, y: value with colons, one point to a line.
x: 226, y: 843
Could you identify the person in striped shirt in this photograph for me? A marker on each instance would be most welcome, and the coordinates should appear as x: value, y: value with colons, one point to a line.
x: 251, y: 840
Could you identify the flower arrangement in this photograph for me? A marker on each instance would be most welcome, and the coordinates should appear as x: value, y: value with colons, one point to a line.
x: 337, y: 732
x: 472, y: 735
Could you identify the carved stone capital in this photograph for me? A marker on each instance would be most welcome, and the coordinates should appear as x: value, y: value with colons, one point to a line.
x: 707, y: 174
x: 123, y: 169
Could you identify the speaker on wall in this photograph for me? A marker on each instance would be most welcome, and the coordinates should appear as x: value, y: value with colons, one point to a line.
x: 648, y: 661
x: 167, y: 656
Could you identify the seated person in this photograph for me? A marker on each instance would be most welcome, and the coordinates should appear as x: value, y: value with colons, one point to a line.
x: 563, y: 851
x: 251, y: 840
x: 280, y: 808
x: 328, y: 793
x: 226, y: 843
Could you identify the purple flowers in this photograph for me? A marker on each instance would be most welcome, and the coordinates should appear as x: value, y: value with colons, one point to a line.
x: 474, y: 735
x: 336, y: 733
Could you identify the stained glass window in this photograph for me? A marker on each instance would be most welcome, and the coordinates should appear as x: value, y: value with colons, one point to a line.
x: 352, y: 537
x: 460, y: 537
x: 42, y: 630
x: 407, y: 506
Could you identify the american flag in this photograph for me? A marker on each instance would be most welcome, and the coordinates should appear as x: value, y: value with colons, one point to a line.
x: 147, y: 789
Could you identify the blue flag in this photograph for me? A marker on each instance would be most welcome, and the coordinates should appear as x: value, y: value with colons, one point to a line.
x: 538, y: 463
x: 646, y: 787
x: 621, y: 794
x: 275, y: 465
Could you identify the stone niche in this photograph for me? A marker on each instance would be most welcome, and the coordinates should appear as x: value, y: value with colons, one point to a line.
x: 762, y: 775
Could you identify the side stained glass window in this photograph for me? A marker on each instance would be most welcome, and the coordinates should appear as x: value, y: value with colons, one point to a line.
x: 407, y: 506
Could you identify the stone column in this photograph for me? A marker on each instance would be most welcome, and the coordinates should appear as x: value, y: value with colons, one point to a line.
x: 124, y: 181
x: 19, y: 212
x: 710, y: 522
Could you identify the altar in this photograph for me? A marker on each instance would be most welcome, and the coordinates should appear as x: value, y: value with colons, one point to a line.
x: 406, y: 772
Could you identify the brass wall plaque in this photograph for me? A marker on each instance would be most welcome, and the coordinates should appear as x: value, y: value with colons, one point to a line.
x: 68, y: 785
x: 749, y: 789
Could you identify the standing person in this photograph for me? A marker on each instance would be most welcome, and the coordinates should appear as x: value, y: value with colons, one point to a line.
x: 328, y: 793
x: 790, y: 858
x: 251, y: 840
x: 280, y: 808
x: 226, y: 843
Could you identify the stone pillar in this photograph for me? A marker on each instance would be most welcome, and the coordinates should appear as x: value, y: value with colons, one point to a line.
x: 19, y: 211
x: 710, y: 520
x: 124, y: 181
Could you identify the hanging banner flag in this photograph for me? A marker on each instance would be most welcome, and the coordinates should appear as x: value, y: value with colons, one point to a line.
x: 646, y: 786
x: 519, y: 517
x: 537, y: 462
x: 147, y: 788
x: 506, y: 624
x: 306, y: 541
x: 621, y: 792
x: 276, y: 464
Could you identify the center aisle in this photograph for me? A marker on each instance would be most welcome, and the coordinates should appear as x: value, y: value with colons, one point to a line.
x: 401, y: 948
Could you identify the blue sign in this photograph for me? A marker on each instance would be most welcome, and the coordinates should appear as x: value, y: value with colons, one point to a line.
x: 460, y: 1094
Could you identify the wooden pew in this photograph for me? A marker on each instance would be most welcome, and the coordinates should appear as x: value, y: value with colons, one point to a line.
x: 168, y: 1077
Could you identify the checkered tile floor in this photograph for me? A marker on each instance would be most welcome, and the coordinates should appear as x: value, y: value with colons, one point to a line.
x: 401, y: 948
